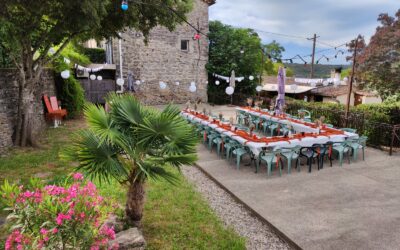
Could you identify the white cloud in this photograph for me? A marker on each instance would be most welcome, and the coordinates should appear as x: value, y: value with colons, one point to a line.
x: 335, y: 21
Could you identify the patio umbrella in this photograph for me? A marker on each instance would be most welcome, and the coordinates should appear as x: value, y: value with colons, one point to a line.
x: 232, y: 79
x: 280, y: 100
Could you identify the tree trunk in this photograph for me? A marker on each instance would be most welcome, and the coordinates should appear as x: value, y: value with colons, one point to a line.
x: 23, y: 131
x: 135, y: 203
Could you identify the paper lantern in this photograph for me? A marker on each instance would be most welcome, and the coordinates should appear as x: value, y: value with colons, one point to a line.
x: 258, y: 88
x: 293, y: 87
x: 120, y: 81
x: 227, y: 80
x: 217, y: 83
x: 99, y: 78
x: 192, y: 88
x: 177, y: 83
x: 65, y: 74
x: 163, y: 85
x: 137, y: 82
x: 124, y: 5
x: 52, y: 51
x: 229, y: 90
x: 192, y: 84
x: 92, y: 77
x: 251, y: 78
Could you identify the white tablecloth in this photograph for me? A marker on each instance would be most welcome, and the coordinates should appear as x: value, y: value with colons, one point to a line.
x: 256, y: 147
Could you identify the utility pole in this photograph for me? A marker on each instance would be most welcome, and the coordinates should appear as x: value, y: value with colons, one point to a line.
x: 351, y: 81
x: 313, y: 54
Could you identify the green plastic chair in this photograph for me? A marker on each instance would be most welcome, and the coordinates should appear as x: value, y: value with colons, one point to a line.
x: 218, y: 142
x: 240, y: 151
x: 357, y: 144
x: 350, y: 130
x: 255, y: 120
x: 307, y: 114
x: 270, y: 158
x: 211, y: 136
x: 291, y: 154
x: 273, y: 127
x: 229, y: 147
x: 342, y: 148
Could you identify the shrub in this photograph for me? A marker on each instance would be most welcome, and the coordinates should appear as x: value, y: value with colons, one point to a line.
x: 95, y: 55
x: 56, y: 217
x: 70, y: 91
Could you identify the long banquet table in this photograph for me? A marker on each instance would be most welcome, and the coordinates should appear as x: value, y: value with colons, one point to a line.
x: 256, y: 144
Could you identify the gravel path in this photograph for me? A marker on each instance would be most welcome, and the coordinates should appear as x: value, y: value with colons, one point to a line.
x: 257, y: 234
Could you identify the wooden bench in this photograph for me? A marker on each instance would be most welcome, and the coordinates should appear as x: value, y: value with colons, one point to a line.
x: 54, y: 112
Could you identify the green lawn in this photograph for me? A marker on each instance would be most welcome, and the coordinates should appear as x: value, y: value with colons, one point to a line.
x: 176, y: 217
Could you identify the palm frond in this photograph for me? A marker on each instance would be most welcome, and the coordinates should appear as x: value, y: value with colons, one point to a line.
x: 98, y: 160
x: 102, y: 125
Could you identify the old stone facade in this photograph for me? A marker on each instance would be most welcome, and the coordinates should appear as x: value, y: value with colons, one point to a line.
x: 169, y: 57
x: 9, y: 100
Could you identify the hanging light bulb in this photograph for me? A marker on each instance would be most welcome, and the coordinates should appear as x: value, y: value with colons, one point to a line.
x: 99, y: 78
x: 217, y: 82
x: 251, y: 78
x: 92, y: 77
x: 258, y: 88
x: 124, y: 5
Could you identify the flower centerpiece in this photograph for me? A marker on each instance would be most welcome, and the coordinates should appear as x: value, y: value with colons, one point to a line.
x: 252, y: 128
x: 249, y: 102
x: 221, y: 116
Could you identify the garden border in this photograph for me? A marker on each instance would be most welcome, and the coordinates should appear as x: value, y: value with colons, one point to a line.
x: 274, y: 229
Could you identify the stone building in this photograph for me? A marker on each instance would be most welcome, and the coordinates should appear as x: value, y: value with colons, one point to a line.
x: 175, y: 58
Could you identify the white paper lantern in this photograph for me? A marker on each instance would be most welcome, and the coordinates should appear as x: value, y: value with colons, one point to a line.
x: 138, y: 82
x: 65, y: 74
x: 92, y: 77
x: 217, y: 83
x: 251, y: 78
x: 52, y: 51
x: 120, y: 81
x: 229, y: 90
x: 325, y: 83
x: 227, y: 80
x: 258, y: 88
x: 99, y: 78
x: 163, y: 85
x: 177, y: 83
x: 192, y: 88
x: 293, y: 86
x: 192, y: 84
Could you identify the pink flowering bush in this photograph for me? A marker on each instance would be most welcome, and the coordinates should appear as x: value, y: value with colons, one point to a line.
x: 70, y: 216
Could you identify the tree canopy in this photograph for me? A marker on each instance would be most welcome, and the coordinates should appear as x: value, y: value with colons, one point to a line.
x: 274, y: 49
x: 29, y: 29
x: 378, y: 65
x: 226, y: 45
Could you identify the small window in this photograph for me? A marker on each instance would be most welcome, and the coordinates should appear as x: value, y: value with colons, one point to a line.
x: 185, y: 45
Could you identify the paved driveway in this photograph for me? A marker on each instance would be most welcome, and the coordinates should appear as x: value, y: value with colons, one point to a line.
x: 356, y: 206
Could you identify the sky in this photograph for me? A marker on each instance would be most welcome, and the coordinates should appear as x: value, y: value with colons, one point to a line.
x: 334, y: 21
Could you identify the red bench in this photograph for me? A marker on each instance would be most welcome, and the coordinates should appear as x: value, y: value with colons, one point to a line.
x: 54, y: 112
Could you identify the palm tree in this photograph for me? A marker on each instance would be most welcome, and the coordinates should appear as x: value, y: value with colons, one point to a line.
x: 131, y: 144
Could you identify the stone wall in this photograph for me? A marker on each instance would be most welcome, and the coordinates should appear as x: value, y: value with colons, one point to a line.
x: 9, y: 100
x: 163, y: 60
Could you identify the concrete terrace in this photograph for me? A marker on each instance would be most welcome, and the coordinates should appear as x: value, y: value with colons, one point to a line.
x: 351, y: 207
